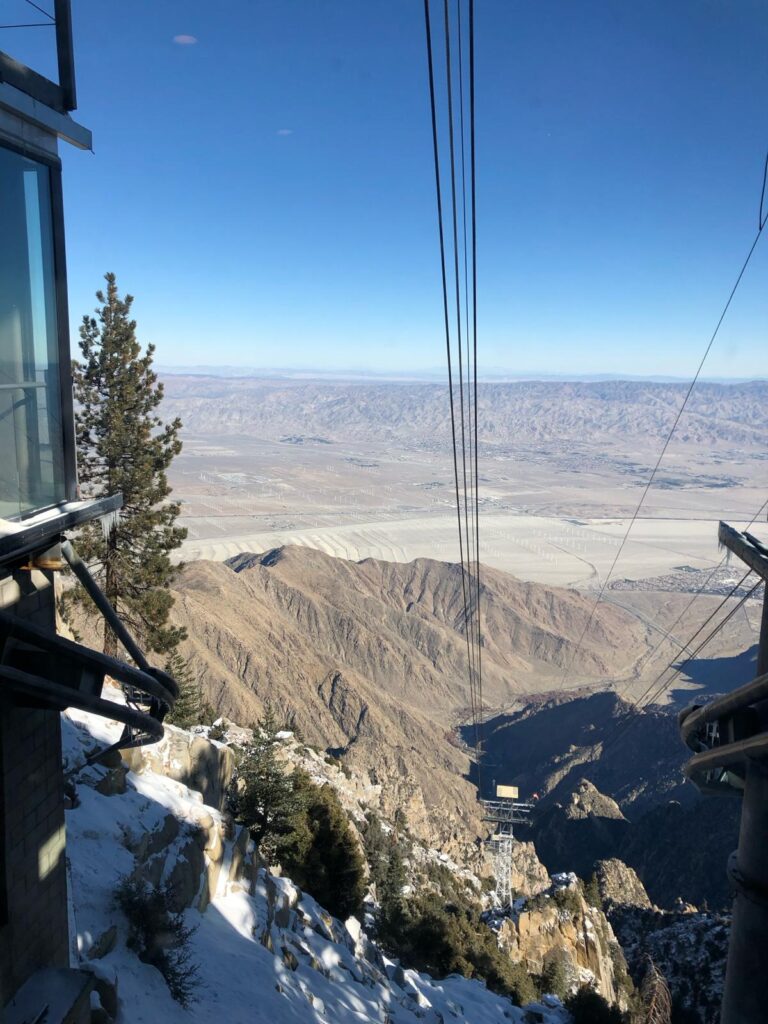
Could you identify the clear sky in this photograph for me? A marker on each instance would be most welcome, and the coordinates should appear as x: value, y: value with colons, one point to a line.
x: 267, y: 191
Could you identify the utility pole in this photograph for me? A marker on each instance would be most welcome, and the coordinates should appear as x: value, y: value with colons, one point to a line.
x: 730, y: 736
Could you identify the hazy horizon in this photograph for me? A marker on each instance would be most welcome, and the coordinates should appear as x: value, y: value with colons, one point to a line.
x: 435, y: 374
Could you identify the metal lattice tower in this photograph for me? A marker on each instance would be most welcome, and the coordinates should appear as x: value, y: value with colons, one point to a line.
x: 505, y: 812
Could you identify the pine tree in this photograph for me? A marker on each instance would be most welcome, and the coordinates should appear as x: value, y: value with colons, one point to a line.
x: 592, y: 892
x: 555, y: 978
x: 327, y: 861
x: 190, y: 708
x: 655, y: 993
x: 376, y: 848
x: 391, y: 897
x: 266, y: 801
x: 124, y: 446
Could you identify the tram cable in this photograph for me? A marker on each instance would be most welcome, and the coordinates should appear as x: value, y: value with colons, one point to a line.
x: 633, y: 715
x: 761, y: 225
x: 462, y: 255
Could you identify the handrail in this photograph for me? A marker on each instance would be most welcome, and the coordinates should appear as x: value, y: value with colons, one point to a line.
x: 36, y: 687
x: 99, y: 598
x: 691, y: 720
x: 727, y: 755
x: 155, y: 683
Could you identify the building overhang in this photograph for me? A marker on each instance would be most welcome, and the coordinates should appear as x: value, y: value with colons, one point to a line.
x: 24, y: 112
x: 18, y: 540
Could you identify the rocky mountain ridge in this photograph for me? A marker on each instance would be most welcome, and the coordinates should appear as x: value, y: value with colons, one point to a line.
x: 522, y: 412
x: 368, y: 660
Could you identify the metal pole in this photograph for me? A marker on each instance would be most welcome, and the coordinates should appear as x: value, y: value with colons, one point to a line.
x: 762, y: 650
x: 744, y: 992
x: 80, y: 569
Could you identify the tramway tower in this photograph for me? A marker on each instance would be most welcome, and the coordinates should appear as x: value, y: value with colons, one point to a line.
x: 504, y: 812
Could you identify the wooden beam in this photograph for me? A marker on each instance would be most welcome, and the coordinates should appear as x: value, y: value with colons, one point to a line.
x: 748, y: 549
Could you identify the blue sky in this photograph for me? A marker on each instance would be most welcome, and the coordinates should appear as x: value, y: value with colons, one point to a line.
x: 267, y: 192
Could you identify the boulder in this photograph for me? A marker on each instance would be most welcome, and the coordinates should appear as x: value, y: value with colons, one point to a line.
x: 113, y: 781
x: 103, y: 945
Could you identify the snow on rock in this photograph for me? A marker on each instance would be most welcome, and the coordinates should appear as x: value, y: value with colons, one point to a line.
x: 265, y: 950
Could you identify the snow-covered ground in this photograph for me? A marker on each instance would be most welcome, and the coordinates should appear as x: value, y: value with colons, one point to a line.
x: 265, y: 952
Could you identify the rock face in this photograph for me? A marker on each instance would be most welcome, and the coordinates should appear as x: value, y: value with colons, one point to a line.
x: 571, y: 836
x: 561, y: 924
x: 529, y: 876
x: 619, y: 885
x: 368, y: 660
x: 193, y: 760
x: 194, y: 856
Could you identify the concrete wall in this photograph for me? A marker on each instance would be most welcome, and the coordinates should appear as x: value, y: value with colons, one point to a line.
x: 33, y: 886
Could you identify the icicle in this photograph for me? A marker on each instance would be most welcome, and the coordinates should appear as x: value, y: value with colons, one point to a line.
x: 109, y: 523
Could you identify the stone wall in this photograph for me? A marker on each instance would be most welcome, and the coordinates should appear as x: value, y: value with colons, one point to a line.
x: 33, y: 885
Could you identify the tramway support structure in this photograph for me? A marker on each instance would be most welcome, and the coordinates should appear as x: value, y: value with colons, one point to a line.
x: 504, y: 812
x: 729, y: 737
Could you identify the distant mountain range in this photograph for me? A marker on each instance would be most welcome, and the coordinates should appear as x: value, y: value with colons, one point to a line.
x: 489, y: 373
x: 523, y: 412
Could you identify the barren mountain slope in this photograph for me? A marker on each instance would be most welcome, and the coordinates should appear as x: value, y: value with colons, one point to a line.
x: 370, y: 658
x: 520, y: 412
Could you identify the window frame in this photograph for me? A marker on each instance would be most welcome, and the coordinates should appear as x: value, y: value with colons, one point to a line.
x: 66, y: 383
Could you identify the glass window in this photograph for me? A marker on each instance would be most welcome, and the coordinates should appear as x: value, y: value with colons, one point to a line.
x: 31, y: 434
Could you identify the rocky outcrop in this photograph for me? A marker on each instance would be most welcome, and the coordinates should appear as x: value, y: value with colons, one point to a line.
x: 368, y: 660
x: 560, y: 924
x: 198, y: 856
x: 193, y: 760
x: 528, y: 876
x: 571, y: 836
x: 619, y: 885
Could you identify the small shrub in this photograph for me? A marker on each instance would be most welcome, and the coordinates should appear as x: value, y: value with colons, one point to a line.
x: 158, y: 935
x: 568, y: 899
x: 217, y: 731
x: 588, y: 1007
x: 556, y: 976
x: 592, y: 893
